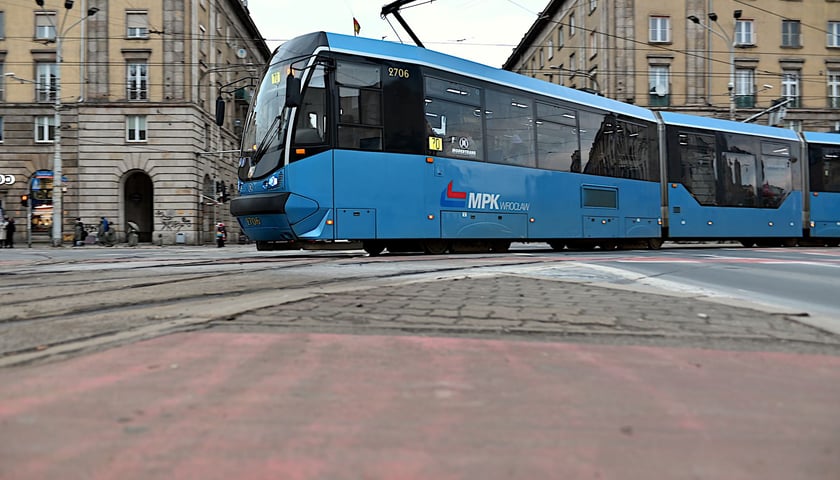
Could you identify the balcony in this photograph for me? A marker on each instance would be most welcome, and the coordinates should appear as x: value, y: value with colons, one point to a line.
x: 745, y: 101
x: 655, y: 100
x: 242, y: 95
x: 795, y: 102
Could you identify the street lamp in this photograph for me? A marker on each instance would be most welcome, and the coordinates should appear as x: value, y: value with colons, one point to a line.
x: 57, y: 184
x: 726, y: 38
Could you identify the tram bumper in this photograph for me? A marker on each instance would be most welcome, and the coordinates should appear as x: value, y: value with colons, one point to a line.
x: 271, y: 216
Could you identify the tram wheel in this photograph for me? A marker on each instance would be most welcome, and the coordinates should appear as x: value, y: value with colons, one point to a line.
x: 373, y: 248
x: 435, y: 247
x: 500, y: 246
x: 788, y: 242
x: 557, y: 245
x: 654, y: 243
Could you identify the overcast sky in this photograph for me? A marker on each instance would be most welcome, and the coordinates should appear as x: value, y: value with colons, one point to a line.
x: 485, y: 31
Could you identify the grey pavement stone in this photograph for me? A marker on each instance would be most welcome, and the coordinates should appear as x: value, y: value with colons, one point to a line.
x: 520, y: 305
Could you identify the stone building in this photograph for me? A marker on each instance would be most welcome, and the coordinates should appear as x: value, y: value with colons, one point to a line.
x: 136, y: 85
x: 721, y: 58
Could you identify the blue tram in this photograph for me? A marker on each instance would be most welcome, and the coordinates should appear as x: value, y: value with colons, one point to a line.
x: 403, y: 148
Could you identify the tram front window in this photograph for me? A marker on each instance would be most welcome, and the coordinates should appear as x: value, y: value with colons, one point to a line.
x: 262, y: 147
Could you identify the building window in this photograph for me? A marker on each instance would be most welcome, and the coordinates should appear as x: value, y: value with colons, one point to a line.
x: 833, y: 34
x: 542, y: 58
x: 137, y: 81
x: 47, y: 83
x: 45, y: 129
x: 593, y: 44
x: 745, y: 88
x: 795, y: 125
x: 44, y: 25
x: 1, y: 129
x: 571, y: 25
x: 790, y: 33
x: 135, y: 126
x: 550, y: 49
x: 202, y: 37
x: 2, y: 25
x: 560, y: 37
x: 659, y: 29
x: 744, y: 32
x: 572, y: 64
x: 790, y: 87
x: 137, y: 24
x: 593, y: 81
x: 659, y: 83
x: 593, y: 4
x: 834, y: 88
x: 2, y: 83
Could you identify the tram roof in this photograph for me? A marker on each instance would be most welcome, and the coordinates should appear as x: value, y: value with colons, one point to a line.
x: 442, y: 61
x: 728, y: 126
x: 823, y: 137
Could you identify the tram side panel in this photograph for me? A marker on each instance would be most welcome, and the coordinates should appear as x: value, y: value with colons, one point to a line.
x: 824, y: 182
x: 732, y: 184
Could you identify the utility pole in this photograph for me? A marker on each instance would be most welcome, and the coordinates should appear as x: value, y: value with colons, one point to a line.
x: 58, y: 185
x: 731, y: 45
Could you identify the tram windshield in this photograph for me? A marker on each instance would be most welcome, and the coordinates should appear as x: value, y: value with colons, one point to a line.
x: 265, y: 128
x: 268, y: 118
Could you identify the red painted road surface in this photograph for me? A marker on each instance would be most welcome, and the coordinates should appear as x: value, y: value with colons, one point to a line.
x: 305, y: 406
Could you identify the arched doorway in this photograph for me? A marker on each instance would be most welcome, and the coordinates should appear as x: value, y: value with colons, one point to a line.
x: 138, y: 198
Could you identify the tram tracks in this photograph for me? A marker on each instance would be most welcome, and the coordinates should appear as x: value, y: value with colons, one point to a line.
x: 64, y: 317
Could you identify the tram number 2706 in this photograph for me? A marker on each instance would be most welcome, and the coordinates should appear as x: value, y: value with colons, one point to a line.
x: 398, y: 72
x: 253, y: 221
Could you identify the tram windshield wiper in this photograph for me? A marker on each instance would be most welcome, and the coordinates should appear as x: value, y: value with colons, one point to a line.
x: 267, y: 139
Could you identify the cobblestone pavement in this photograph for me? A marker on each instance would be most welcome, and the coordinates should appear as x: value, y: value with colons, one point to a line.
x: 516, y: 305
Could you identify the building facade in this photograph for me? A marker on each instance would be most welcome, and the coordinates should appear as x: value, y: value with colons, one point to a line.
x: 724, y: 58
x: 136, y: 88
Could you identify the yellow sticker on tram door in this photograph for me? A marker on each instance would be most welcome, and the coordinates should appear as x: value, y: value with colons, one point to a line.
x: 436, y: 144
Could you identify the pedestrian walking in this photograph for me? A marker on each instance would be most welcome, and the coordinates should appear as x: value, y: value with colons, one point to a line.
x: 3, y: 223
x: 221, y: 235
x: 104, y: 235
x: 10, y: 232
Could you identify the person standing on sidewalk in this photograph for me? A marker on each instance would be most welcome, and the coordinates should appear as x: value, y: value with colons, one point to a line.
x: 3, y: 222
x: 10, y: 233
x: 79, y: 233
x: 221, y: 235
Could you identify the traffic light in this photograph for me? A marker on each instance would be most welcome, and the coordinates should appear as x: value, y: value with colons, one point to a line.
x: 24, y: 200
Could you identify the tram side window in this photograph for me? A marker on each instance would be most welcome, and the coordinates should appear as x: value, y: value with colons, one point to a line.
x: 738, y: 177
x: 557, y: 140
x: 623, y: 149
x: 697, y: 162
x: 824, y: 168
x: 776, y: 179
x: 453, y: 113
x: 510, y: 133
x: 589, y: 126
x: 360, y: 106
